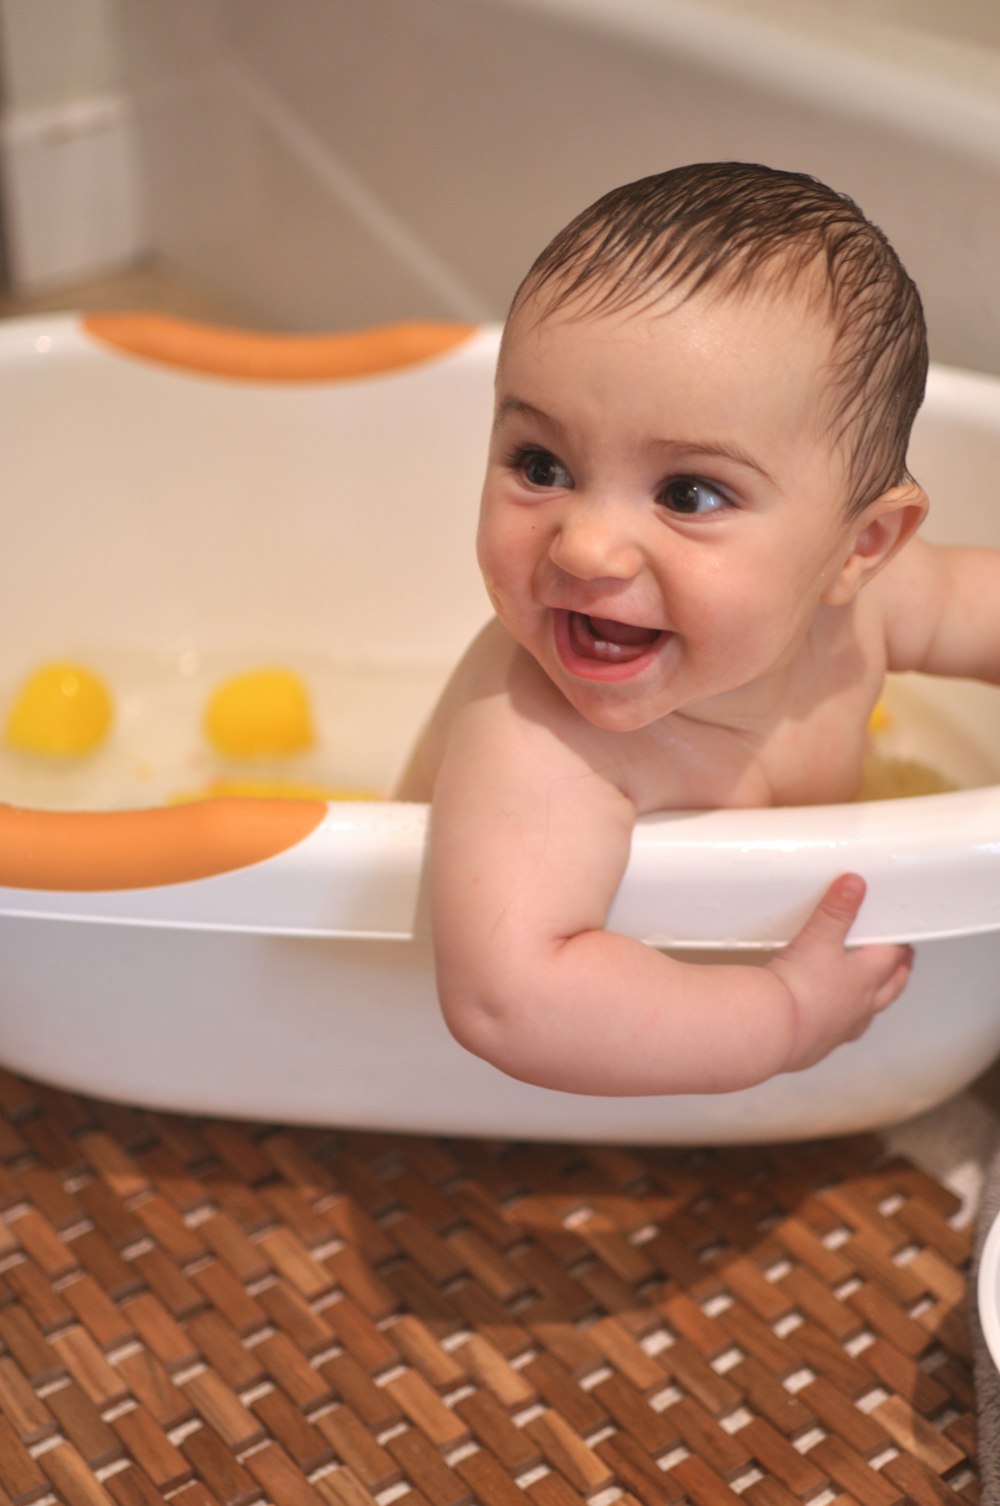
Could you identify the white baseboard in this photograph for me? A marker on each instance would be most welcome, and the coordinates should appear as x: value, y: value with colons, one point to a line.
x: 72, y: 203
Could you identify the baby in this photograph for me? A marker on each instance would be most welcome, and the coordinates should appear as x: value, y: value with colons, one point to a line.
x: 692, y: 533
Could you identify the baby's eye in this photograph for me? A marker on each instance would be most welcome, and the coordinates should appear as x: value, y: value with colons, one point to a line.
x: 539, y: 468
x: 689, y: 495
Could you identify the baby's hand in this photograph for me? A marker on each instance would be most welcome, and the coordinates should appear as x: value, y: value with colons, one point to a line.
x: 837, y: 992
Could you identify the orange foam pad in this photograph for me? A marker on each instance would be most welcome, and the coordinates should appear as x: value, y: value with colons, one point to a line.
x: 141, y: 849
x: 257, y: 356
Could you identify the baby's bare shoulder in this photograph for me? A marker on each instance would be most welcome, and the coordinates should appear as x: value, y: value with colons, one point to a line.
x: 498, y: 703
x: 502, y: 689
x: 909, y: 596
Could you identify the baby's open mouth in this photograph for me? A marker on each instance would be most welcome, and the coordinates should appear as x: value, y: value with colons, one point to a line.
x: 609, y: 641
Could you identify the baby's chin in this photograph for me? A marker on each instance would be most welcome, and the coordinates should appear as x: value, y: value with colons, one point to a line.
x: 609, y: 708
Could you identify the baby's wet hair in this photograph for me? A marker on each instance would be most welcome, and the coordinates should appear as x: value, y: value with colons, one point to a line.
x: 738, y: 225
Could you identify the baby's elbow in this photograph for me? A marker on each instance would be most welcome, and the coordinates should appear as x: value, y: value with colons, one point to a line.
x: 486, y: 1023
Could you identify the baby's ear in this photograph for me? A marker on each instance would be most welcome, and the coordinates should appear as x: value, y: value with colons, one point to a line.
x: 879, y: 531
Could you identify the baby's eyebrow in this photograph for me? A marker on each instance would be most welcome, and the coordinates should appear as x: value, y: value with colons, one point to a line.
x: 516, y: 407
x: 721, y: 449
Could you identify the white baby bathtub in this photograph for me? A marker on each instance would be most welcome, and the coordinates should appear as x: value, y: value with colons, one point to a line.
x: 176, y: 493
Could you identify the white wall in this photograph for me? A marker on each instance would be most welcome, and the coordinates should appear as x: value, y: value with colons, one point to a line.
x: 339, y: 162
x: 333, y: 163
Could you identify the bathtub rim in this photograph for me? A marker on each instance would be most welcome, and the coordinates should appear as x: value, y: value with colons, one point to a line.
x: 931, y: 863
x: 892, y: 75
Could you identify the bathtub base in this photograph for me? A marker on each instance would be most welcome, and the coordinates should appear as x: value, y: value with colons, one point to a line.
x: 348, y: 1034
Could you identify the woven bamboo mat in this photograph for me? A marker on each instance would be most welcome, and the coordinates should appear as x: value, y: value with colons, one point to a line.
x: 210, y: 1312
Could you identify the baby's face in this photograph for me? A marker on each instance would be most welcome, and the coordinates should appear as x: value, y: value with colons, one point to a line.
x: 662, y: 513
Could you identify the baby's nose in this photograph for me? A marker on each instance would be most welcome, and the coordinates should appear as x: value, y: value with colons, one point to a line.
x: 592, y: 543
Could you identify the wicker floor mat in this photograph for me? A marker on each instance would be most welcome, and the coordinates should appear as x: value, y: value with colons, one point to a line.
x: 220, y: 1313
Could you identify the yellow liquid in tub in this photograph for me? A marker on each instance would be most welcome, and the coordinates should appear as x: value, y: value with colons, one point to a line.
x: 362, y: 718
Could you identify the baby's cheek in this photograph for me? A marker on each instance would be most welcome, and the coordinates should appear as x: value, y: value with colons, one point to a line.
x: 497, y: 596
x: 486, y: 555
x: 493, y: 562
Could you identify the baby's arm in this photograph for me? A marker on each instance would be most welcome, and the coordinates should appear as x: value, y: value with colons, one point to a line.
x: 942, y: 608
x: 528, y: 845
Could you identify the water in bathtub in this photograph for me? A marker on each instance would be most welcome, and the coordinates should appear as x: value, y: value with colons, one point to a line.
x: 357, y: 720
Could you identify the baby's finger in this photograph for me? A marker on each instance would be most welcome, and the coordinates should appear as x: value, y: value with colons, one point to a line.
x: 900, y: 963
x: 897, y: 980
x: 837, y: 911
